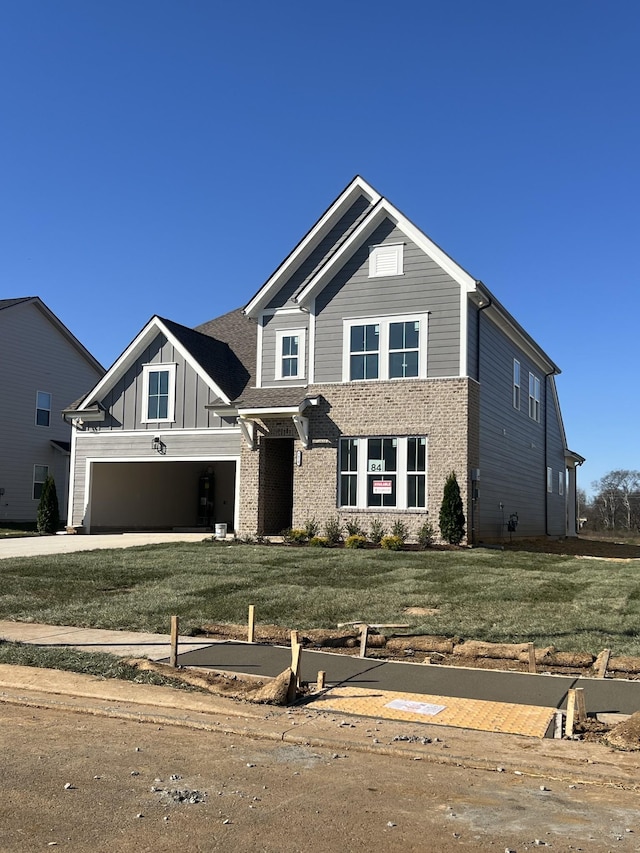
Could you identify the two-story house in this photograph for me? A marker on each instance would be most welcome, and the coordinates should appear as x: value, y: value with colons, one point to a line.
x: 367, y: 368
x: 42, y: 368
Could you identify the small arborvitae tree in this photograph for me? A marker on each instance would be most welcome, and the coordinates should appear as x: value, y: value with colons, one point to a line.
x: 48, y: 519
x: 451, y: 512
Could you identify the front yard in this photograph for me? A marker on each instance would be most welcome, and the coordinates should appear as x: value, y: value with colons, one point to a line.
x: 571, y: 602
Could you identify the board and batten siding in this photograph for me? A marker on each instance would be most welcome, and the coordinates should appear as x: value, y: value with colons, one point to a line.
x: 424, y: 287
x: 205, y: 446
x: 325, y: 248
x: 512, y: 445
x: 35, y: 356
x: 271, y: 325
x: 125, y: 404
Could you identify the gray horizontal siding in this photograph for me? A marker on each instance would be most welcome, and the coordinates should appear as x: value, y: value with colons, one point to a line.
x: 125, y: 403
x: 335, y: 237
x: 424, y: 287
x: 272, y: 325
x: 35, y: 356
x: 513, y: 447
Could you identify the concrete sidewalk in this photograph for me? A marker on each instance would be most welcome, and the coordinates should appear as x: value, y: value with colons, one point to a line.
x: 490, y: 700
x: 35, y: 546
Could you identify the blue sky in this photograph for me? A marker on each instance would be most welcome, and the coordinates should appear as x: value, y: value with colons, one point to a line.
x: 163, y: 158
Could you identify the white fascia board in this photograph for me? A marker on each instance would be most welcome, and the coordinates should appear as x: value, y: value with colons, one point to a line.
x: 116, y: 372
x: 384, y: 210
x: 356, y: 188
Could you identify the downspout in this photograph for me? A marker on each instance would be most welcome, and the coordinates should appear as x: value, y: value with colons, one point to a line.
x: 474, y: 486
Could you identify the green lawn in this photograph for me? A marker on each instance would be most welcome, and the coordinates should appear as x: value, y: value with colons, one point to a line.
x: 574, y: 604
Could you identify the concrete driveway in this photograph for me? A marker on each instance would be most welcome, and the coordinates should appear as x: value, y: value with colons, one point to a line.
x: 32, y: 546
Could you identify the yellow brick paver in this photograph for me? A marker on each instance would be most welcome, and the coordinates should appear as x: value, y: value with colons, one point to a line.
x: 480, y: 714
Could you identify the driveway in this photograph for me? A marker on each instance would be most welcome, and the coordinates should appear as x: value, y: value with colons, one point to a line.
x: 33, y: 546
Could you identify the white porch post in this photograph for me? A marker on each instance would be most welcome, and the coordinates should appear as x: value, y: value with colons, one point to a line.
x: 572, y: 501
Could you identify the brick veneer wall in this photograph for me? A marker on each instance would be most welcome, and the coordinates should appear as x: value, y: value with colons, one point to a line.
x: 445, y: 410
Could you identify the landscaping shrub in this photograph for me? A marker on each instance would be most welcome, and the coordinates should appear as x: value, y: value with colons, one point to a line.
x: 400, y: 530
x: 353, y: 528
x: 426, y: 535
x: 451, y: 512
x: 48, y: 516
x: 318, y: 542
x: 294, y: 536
x: 333, y: 531
x: 376, y: 531
x: 391, y: 543
x: 355, y: 541
x: 311, y: 528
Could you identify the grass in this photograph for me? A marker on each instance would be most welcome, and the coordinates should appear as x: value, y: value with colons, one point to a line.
x: 73, y: 660
x: 499, y: 596
x: 17, y: 531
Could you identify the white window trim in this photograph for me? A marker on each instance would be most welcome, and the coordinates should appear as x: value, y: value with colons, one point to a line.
x: 517, y: 390
x: 34, y: 481
x: 390, y: 249
x: 171, y: 402
x: 290, y: 333
x: 383, y: 340
x: 401, y: 473
x: 43, y: 409
x: 534, y: 397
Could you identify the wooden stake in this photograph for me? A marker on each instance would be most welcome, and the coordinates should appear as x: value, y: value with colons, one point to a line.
x: 321, y: 679
x: 581, y: 705
x: 295, y: 638
x: 252, y: 624
x: 603, y: 663
x: 173, y: 655
x: 557, y: 731
x: 571, y: 712
x: 532, y: 657
x: 296, y: 649
x: 364, y: 636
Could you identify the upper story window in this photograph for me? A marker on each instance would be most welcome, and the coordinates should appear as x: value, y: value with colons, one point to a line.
x: 386, y: 260
x: 516, y: 384
x: 290, y: 354
x: 534, y: 397
x: 159, y: 392
x: 383, y: 472
x: 549, y: 480
x: 43, y: 408
x: 386, y: 348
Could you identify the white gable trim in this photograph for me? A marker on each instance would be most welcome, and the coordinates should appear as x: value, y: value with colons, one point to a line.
x: 356, y: 188
x: 384, y: 210
x: 154, y: 327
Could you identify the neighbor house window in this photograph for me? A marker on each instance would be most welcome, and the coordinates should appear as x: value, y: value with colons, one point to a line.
x: 534, y: 397
x: 386, y: 260
x: 549, y: 479
x: 43, y: 408
x: 516, y: 384
x: 159, y: 392
x: 290, y: 354
x: 385, y: 348
x: 40, y: 474
x: 383, y: 472
x: 561, y: 482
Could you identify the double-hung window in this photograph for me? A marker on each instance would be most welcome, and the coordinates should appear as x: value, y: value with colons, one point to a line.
x: 385, y: 348
x: 534, y: 397
x: 516, y: 384
x: 383, y: 472
x: 159, y: 392
x: 43, y: 408
x: 40, y: 474
x: 290, y: 354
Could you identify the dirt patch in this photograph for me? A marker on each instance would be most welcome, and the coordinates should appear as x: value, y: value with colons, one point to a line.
x: 581, y: 546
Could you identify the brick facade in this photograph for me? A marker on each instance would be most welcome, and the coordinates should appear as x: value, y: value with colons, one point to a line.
x: 444, y: 410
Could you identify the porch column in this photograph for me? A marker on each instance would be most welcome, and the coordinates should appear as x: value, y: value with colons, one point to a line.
x: 572, y: 501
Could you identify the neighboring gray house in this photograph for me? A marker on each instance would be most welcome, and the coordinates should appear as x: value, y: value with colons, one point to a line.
x: 365, y: 369
x: 42, y: 368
